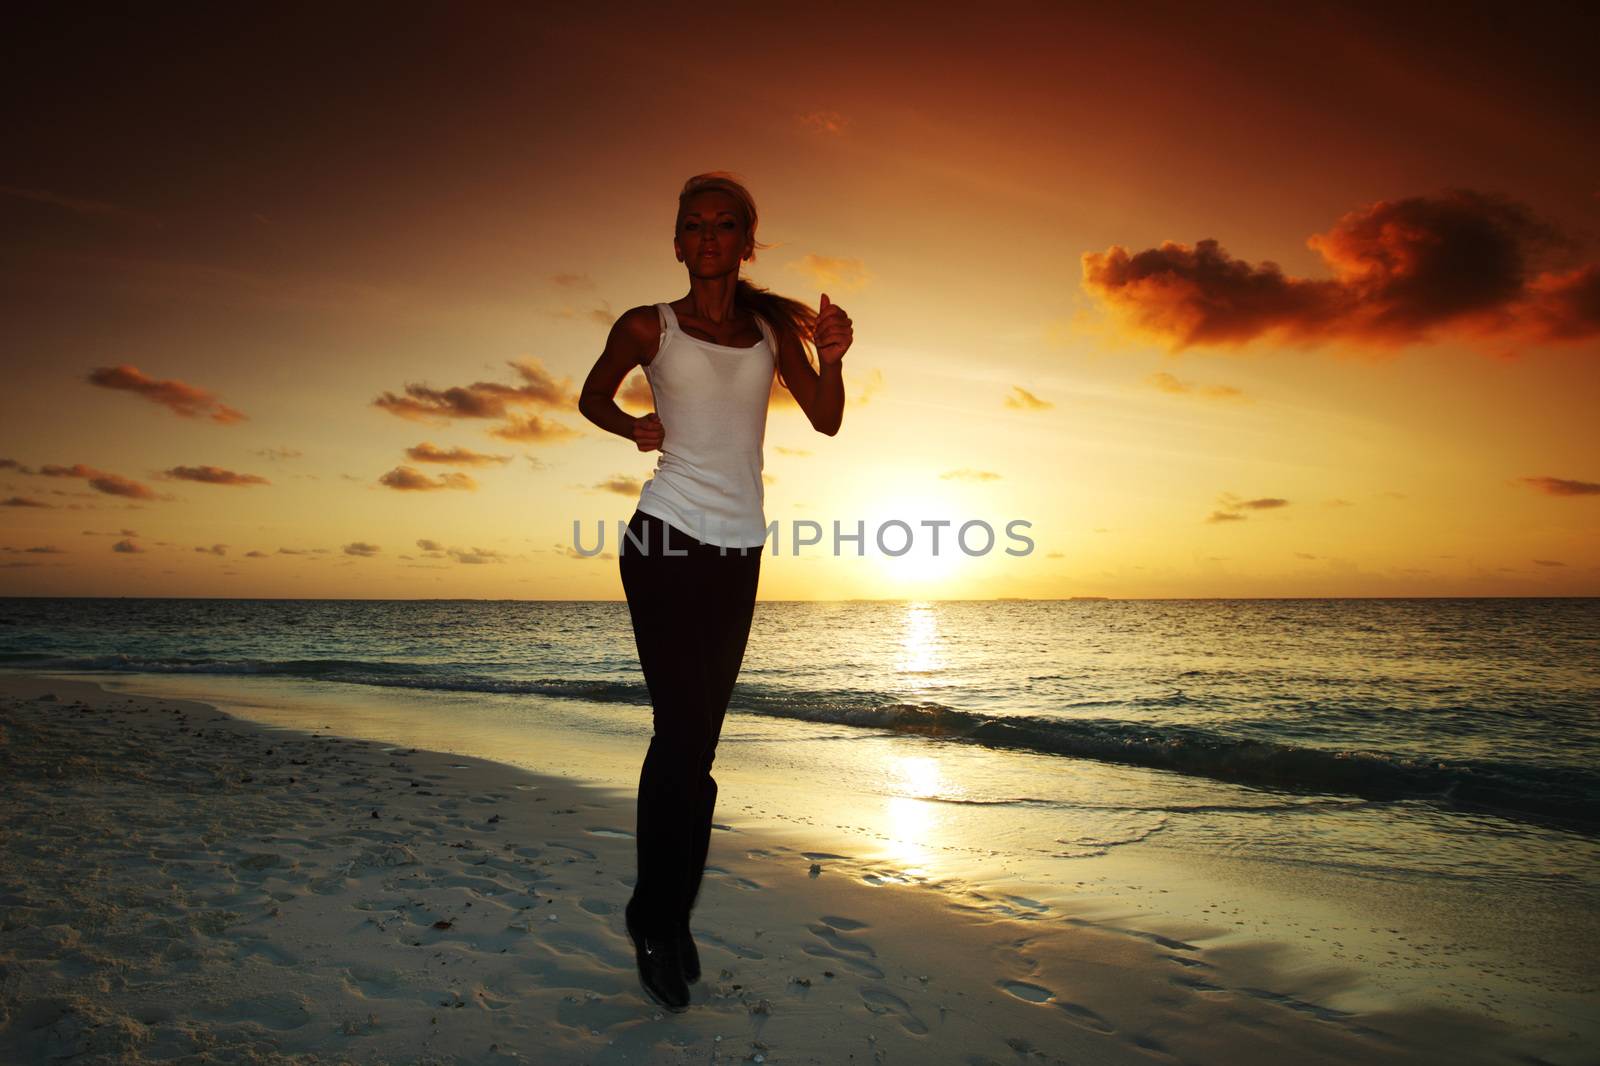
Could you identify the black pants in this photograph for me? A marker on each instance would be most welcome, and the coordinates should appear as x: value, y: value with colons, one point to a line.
x: 691, y: 618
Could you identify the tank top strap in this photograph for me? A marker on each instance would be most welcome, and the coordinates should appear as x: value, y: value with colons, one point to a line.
x: 772, y: 340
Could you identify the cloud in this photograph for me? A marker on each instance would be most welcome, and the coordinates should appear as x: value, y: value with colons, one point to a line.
x: 620, y: 484
x: 1536, y: 562
x: 968, y: 474
x: 784, y: 450
x: 832, y: 273
x: 481, y: 399
x: 127, y: 547
x: 636, y: 392
x: 78, y: 205
x: 1460, y: 264
x: 823, y: 121
x: 279, y: 453
x: 255, y: 555
x: 1560, y: 486
x: 532, y: 428
x: 215, y: 549
x: 477, y: 556
x: 1022, y: 398
x: 101, y: 481
x: 214, y: 475
x: 179, y: 397
x: 407, y: 478
x: 1230, y: 505
x: 1167, y: 383
x: 12, y: 464
x: 361, y: 549
x: 428, y: 452
x: 430, y: 545
x: 580, y: 282
x: 22, y: 501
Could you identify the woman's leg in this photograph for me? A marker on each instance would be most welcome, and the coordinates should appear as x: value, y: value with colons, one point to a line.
x: 731, y: 596
x: 670, y: 626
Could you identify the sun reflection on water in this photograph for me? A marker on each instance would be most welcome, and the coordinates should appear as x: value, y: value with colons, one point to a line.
x: 910, y: 822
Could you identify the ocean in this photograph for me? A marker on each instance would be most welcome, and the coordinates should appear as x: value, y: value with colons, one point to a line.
x: 1410, y: 786
x: 1488, y: 705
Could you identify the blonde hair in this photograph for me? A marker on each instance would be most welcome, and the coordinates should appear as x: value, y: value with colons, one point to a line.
x: 788, y: 318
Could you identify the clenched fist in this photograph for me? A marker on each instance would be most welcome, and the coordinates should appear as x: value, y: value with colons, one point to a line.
x: 648, y: 432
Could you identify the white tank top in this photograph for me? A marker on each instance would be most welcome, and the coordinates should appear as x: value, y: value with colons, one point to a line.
x: 712, y: 400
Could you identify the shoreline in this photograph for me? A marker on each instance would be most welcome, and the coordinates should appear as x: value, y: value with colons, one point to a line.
x: 294, y: 911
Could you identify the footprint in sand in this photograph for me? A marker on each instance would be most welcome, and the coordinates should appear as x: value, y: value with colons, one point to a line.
x: 1076, y: 1013
x: 737, y: 882
x: 740, y: 950
x: 848, y: 952
x: 848, y: 925
x: 880, y: 1001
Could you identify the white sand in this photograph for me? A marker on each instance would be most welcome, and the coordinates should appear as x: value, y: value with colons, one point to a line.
x: 180, y: 885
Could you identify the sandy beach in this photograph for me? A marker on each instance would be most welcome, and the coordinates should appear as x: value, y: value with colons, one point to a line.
x: 181, y: 885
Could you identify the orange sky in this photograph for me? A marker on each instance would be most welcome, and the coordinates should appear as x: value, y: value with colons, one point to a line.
x: 1234, y: 302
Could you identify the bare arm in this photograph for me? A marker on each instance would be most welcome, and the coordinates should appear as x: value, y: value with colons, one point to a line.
x: 819, y: 392
x: 633, y: 341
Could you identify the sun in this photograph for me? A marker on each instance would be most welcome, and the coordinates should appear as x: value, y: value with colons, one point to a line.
x: 911, y: 550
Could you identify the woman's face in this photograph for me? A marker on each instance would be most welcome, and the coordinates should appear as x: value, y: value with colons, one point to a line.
x: 711, y: 238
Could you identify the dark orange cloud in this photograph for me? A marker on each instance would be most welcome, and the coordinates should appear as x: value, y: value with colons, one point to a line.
x: 127, y: 547
x: 361, y: 549
x: 1560, y: 486
x: 481, y: 399
x: 409, y: 479
x: 100, y: 480
x: 179, y: 397
x: 214, y: 475
x: 532, y: 428
x: 823, y: 121
x: 215, y: 549
x: 428, y: 452
x: 1458, y: 264
x: 621, y: 485
x: 22, y: 501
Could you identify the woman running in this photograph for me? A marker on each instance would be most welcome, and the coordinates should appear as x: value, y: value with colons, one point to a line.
x: 691, y: 559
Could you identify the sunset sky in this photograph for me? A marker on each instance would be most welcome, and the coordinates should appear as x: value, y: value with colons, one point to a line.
x: 1243, y: 300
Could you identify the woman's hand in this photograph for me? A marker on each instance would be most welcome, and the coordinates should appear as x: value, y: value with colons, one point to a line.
x: 832, y: 333
x: 648, y: 432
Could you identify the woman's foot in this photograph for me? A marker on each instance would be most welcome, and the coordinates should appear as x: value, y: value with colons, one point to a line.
x: 688, y: 954
x: 660, y: 967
